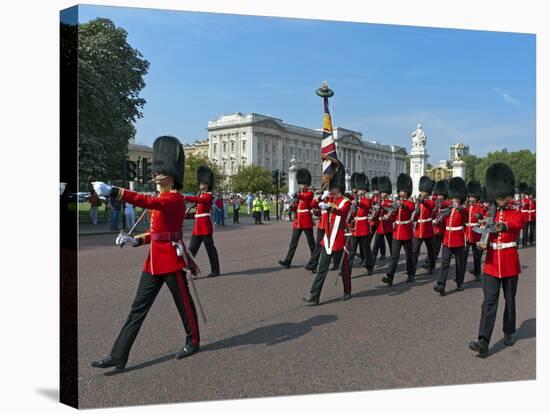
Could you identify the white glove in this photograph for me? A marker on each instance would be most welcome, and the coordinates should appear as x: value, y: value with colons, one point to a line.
x: 101, y: 188
x: 122, y: 239
x: 62, y: 188
x: 323, y: 206
x: 326, y: 194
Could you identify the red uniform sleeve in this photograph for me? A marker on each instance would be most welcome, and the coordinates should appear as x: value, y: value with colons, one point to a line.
x: 365, y: 203
x: 514, y: 221
x: 305, y: 196
x: 165, y: 204
x: 203, y: 199
x: 342, y: 211
x: 429, y: 204
x: 408, y: 205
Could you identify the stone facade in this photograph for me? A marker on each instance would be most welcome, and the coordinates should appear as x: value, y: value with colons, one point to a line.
x: 198, y: 148
x: 240, y: 140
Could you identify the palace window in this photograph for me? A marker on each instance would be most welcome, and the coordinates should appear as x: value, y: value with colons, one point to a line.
x: 225, y: 147
x: 244, y: 146
x: 215, y: 148
x: 232, y: 147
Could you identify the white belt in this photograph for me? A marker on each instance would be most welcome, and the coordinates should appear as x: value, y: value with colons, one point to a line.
x: 528, y: 211
x: 403, y: 222
x: 361, y: 218
x: 498, y: 246
x: 454, y: 228
x: 324, y: 212
x: 303, y: 211
x: 472, y: 224
x: 202, y: 215
x: 424, y: 220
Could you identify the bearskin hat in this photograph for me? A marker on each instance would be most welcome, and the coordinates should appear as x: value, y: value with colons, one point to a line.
x: 338, y: 180
x: 500, y: 181
x: 303, y: 176
x: 404, y: 183
x: 441, y: 188
x: 457, y: 188
x: 374, y: 183
x: 426, y: 184
x: 355, y: 179
x: 532, y: 191
x: 205, y: 176
x: 362, y: 182
x: 384, y: 184
x: 169, y: 159
x: 474, y: 189
x: 483, y: 195
x: 523, y: 188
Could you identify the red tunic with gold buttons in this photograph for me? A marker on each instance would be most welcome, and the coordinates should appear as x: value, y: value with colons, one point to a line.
x: 303, y: 212
x: 424, y: 225
x: 203, y: 220
x: 335, y: 238
x: 502, y: 259
x: 528, y: 208
x: 362, y: 227
x: 472, y: 222
x: 385, y: 225
x: 403, y: 229
x: 373, y: 221
x: 166, y: 218
x: 454, y: 228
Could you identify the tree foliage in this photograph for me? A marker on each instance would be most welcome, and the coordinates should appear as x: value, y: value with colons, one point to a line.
x: 192, y: 163
x: 252, y: 178
x: 110, y: 80
x: 471, y: 164
x: 522, y: 162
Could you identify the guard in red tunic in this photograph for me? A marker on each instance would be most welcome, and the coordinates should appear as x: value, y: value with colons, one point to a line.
x: 424, y: 230
x: 474, y: 212
x: 528, y: 208
x: 453, y: 238
x: 383, y: 217
x: 304, y: 218
x: 502, y: 266
x: 403, y: 231
x: 167, y: 259
x: 203, y: 228
x: 441, y: 192
x: 360, y: 228
x: 334, y: 240
x: 374, y: 217
x: 323, y: 216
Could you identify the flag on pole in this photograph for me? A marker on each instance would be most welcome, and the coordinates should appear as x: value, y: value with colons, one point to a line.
x: 328, y: 146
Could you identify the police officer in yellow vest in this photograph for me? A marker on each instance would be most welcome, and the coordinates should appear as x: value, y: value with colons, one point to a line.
x: 257, y: 209
x: 266, y: 204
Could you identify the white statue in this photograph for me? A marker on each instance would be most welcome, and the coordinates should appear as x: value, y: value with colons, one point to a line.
x: 419, y: 137
x: 459, y: 152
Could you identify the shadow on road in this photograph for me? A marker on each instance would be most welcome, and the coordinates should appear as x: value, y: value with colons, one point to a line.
x: 257, y: 271
x: 528, y: 329
x: 272, y: 334
x: 142, y: 365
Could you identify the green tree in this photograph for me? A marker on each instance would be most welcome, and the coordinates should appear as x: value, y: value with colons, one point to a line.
x: 471, y: 164
x: 522, y: 162
x: 110, y: 80
x: 192, y: 163
x: 252, y: 178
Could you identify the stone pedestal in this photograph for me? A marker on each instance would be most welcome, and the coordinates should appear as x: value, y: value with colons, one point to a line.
x: 292, y: 182
x: 418, y: 159
x: 348, y: 181
x: 459, y: 169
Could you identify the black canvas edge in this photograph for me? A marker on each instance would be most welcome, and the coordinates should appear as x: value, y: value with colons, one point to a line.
x: 68, y: 217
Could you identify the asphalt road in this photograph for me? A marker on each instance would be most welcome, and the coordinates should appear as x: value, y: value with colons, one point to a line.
x: 261, y: 341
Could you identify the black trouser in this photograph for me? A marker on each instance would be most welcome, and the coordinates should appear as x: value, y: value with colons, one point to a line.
x: 363, y: 243
x: 446, y: 254
x: 529, y: 230
x: 195, y: 244
x: 148, y: 289
x: 235, y: 215
x: 324, y: 263
x: 491, y: 293
x: 429, y: 242
x: 395, y: 251
x: 257, y: 217
x: 314, y: 259
x: 296, y: 233
x: 380, y: 245
x: 437, y: 241
x: 476, y: 253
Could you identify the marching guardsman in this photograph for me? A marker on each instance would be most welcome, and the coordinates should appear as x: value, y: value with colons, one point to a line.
x: 373, y: 216
x: 334, y: 240
x: 323, y: 216
x: 384, y: 219
x: 502, y: 266
x: 167, y: 259
x: 528, y: 208
x: 403, y: 231
x: 304, y: 220
x: 361, y: 228
x: 424, y: 231
x: 203, y: 229
x: 474, y: 212
x: 453, y: 238
x: 441, y: 191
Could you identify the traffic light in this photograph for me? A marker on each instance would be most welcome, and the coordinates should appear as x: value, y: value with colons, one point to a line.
x: 275, y: 177
x: 145, y: 171
x: 283, y: 179
x: 130, y: 170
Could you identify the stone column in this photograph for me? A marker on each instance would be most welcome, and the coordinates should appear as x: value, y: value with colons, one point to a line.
x: 348, y: 181
x: 459, y: 169
x: 292, y: 182
x: 418, y: 160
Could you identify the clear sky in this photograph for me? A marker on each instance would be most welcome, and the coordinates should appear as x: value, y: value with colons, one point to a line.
x: 463, y: 86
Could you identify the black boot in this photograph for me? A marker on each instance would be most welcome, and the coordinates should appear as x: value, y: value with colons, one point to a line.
x: 346, y: 296
x: 370, y: 271
x: 311, y: 300
x: 213, y: 274
x: 285, y: 263
x: 410, y: 279
x: 477, y: 278
x: 187, y: 350
x: 459, y: 288
x: 481, y: 347
x: 509, y: 340
x: 388, y: 280
x: 109, y: 362
x: 439, y: 288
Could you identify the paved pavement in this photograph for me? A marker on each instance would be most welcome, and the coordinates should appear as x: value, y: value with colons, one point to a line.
x: 260, y: 340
